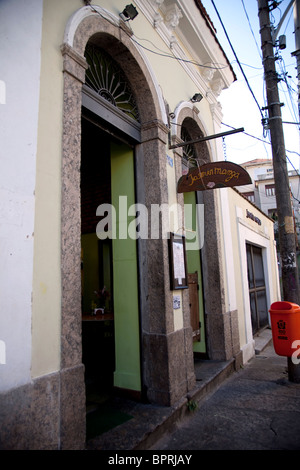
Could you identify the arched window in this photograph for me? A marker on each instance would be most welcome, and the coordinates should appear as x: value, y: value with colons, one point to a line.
x: 105, y: 77
x: 188, y: 154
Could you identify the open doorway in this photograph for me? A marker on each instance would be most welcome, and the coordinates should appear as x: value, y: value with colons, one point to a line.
x: 110, y: 302
x: 98, y: 342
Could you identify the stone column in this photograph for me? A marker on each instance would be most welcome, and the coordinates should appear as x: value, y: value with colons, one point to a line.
x: 72, y: 387
x: 221, y: 326
x: 167, y: 354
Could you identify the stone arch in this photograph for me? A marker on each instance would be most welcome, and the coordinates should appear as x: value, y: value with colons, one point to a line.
x: 218, y: 322
x: 151, y: 188
x: 100, y: 27
x: 188, y: 115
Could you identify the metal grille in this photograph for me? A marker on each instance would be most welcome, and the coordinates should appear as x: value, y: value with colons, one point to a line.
x: 105, y: 77
x: 189, y: 155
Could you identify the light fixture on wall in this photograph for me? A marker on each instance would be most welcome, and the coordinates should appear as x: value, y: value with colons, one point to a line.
x: 129, y: 13
x: 196, y: 98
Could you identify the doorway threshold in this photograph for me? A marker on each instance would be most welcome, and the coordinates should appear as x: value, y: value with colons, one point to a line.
x: 262, y: 339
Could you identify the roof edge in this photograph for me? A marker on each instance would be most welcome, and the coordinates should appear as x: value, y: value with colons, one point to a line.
x: 211, y: 26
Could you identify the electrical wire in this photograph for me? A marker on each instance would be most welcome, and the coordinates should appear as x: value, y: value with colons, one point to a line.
x: 159, y: 51
x: 247, y: 65
x: 284, y: 74
x: 180, y: 59
x: 247, y: 16
x: 163, y: 54
x: 236, y: 57
x: 281, y: 162
x: 257, y: 138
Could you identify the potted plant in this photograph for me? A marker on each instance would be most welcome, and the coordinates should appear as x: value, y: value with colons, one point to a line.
x: 101, y: 296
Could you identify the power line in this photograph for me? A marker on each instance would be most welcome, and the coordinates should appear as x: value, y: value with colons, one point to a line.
x: 241, y: 68
x: 259, y: 52
x: 258, y: 138
x: 180, y: 59
x: 159, y: 51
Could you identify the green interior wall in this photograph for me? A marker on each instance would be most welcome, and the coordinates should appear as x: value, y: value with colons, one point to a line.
x: 125, y: 280
x: 193, y: 265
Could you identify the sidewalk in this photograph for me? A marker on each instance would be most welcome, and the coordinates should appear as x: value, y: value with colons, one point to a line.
x: 255, y: 407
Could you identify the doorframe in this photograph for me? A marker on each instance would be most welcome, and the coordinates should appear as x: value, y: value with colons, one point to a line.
x: 222, y: 341
x: 200, y: 346
x: 151, y: 188
x: 128, y: 149
x: 246, y: 234
x: 255, y: 289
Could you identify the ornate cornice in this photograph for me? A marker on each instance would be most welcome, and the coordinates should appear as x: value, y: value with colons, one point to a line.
x: 167, y: 19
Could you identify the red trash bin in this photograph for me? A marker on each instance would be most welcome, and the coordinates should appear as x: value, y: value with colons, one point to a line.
x: 285, y: 324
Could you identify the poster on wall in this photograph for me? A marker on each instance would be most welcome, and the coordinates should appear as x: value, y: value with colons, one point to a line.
x: 178, y: 270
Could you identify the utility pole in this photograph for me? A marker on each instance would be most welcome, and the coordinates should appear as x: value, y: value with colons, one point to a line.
x: 297, y: 46
x: 287, y: 242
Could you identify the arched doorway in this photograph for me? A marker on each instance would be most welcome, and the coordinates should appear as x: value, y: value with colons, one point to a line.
x: 217, y: 327
x: 160, y: 345
x: 193, y: 220
x: 110, y: 130
x: 150, y: 178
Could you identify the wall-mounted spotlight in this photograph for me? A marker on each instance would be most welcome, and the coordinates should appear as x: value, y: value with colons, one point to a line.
x: 196, y: 98
x: 129, y: 13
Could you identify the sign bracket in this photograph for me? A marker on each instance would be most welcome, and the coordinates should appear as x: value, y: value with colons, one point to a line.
x: 209, y: 137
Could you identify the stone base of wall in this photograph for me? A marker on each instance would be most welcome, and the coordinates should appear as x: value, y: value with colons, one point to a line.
x: 169, y: 366
x: 223, y: 335
x: 47, y: 414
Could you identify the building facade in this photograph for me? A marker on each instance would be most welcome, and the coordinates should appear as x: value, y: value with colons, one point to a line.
x: 252, y: 271
x: 90, y: 163
x: 262, y: 191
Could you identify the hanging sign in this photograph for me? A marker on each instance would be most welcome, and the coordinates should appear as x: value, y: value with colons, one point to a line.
x: 212, y: 176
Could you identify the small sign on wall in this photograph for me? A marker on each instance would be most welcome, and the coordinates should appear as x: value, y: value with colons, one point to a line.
x: 170, y: 161
x: 177, y: 255
x: 176, y: 302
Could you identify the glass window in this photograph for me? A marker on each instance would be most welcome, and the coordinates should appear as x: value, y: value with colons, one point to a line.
x: 270, y: 189
x: 250, y: 196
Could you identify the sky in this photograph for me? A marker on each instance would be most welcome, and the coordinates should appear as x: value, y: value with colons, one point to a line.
x: 239, y: 107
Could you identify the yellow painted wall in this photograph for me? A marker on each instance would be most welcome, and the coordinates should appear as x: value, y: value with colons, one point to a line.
x: 176, y: 86
x: 47, y: 278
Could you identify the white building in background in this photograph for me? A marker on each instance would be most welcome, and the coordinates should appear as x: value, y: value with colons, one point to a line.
x: 262, y: 190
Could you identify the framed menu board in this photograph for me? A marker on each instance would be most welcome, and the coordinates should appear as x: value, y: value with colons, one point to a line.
x: 178, y: 271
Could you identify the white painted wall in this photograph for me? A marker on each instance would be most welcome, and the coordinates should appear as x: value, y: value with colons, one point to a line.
x: 245, y: 230
x: 31, y: 107
x: 20, y: 39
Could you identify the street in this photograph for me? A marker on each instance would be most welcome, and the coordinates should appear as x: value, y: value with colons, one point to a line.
x: 257, y: 408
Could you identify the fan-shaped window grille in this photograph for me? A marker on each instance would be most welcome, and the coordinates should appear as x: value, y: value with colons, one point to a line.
x: 105, y: 77
x: 189, y: 155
